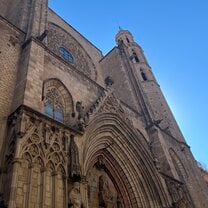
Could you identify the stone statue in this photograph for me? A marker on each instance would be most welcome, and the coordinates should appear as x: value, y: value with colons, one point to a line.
x: 108, y: 81
x: 75, y: 200
x: 100, y: 163
x: 81, y: 115
x: 105, y: 195
x: 157, y: 163
x: 74, y: 171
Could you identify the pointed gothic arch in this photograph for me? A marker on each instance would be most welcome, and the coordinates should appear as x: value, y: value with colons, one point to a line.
x: 58, y: 101
x: 128, y: 163
x: 185, y: 197
x: 180, y: 169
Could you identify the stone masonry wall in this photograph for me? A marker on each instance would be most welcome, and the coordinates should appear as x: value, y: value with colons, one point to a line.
x: 57, y: 38
x: 112, y: 65
x: 80, y: 87
x: 160, y: 108
x: 92, y: 51
x: 9, y: 58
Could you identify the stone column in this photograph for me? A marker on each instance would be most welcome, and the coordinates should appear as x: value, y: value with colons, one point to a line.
x: 16, y: 164
x: 83, y: 191
x: 54, y: 174
x: 29, y: 185
x: 43, y: 194
x: 66, y: 191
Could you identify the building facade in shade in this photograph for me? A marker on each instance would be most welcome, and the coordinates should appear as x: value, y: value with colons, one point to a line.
x: 79, y: 129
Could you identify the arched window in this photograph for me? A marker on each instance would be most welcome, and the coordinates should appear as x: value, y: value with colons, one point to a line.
x: 135, y: 57
x: 66, y: 55
x: 57, y: 100
x: 127, y: 40
x: 144, y: 77
x: 54, y: 104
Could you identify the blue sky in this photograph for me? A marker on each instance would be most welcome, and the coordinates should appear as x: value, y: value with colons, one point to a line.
x: 174, y: 37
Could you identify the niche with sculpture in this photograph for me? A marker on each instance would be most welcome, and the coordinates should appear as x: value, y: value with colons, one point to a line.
x: 101, y: 191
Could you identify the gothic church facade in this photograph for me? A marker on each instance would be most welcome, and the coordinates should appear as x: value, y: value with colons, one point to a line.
x: 79, y: 129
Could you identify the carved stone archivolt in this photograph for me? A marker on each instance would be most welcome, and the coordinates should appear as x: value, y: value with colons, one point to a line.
x: 113, y: 105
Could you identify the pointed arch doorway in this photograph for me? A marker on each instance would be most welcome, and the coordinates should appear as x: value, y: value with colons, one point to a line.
x: 118, y: 168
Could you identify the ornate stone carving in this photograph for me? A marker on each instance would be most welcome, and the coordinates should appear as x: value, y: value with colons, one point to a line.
x: 112, y: 105
x: 180, y: 198
x: 100, y: 163
x: 101, y: 190
x: 74, y: 168
x: 81, y: 116
x: 43, y: 143
x: 75, y: 200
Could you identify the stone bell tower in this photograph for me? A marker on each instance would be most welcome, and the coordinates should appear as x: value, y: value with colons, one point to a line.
x: 155, y: 104
x: 138, y: 71
x: 136, y: 86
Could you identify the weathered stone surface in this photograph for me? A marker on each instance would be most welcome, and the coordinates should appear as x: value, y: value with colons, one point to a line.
x: 92, y: 132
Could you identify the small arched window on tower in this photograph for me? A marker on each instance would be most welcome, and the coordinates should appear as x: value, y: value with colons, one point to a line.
x: 66, y: 55
x: 134, y: 56
x: 143, y: 75
x: 127, y: 40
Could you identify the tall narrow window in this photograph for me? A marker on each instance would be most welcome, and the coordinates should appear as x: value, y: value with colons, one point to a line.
x: 127, y: 40
x: 135, y: 57
x: 66, y: 55
x: 57, y: 101
x: 54, y: 105
x: 144, y: 77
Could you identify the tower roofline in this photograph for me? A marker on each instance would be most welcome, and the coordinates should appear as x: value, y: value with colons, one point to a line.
x: 123, y: 32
